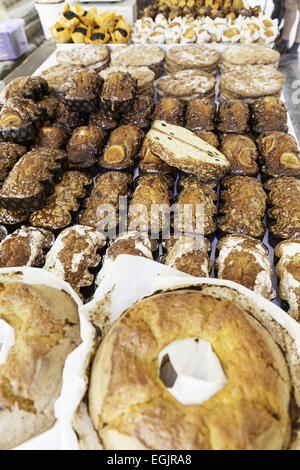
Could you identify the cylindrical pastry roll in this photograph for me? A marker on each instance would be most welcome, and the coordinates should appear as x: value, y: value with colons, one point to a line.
x: 171, y: 110
x: 85, y: 146
x: 200, y: 114
x: 123, y: 146
x: 55, y: 136
x: 268, y: 114
x: 241, y: 152
x: 233, y: 116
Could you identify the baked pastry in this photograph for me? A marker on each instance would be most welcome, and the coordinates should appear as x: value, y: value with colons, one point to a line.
x: 150, y: 163
x: 70, y: 119
x: 55, y: 136
x: 84, y: 92
x: 141, y: 113
x: 31, y: 179
x: 85, y: 146
x: 243, y: 208
x: 287, y: 270
x: 209, y: 137
x: 102, y: 208
x: 106, y: 121
x: 50, y: 104
x: 149, y: 207
x: 9, y: 155
x: 241, y: 152
x: 56, y: 215
x: 233, y: 116
x: 284, y: 199
x: 200, y: 114
x: 123, y: 146
x: 195, y: 57
x: 32, y: 88
x: 182, y: 149
x: 196, y: 206
x: 245, y: 260
x: 93, y: 56
x: 47, y: 330
x: 279, y: 154
x: 188, y: 254
x: 73, y: 254
x: 135, y: 411
x: 25, y: 247
x: 118, y: 92
x: 170, y: 110
x: 59, y: 77
x: 187, y: 85
x: 139, y: 56
x: 143, y: 75
x: 12, y: 219
x: 249, y: 54
x: 268, y: 114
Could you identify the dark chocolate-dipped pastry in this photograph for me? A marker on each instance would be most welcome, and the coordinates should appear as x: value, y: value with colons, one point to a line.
x: 141, y: 113
x: 244, y: 206
x: 197, y: 204
x: 85, y: 146
x: 84, y: 92
x: 108, y: 189
x: 31, y: 179
x: 33, y: 88
x: 241, y: 152
x: 118, y: 92
x: 153, y: 195
x: 150, y: 163
x: 55, y: 136
x: 233, y: 116
x: 269, y: 114
x: 25, y: 247
x: 280, y: 155
x: 209, y: 137
x: 56, y: 214
x: 70, y: 119
x: 9, y: 155
x: 171, y: 110
x: 106, y: 121
x: 284, y: 199
x: 200, y: 114
x: 123, y: 146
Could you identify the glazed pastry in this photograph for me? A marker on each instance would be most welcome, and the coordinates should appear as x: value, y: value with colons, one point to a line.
x: 151, y: 190
x: 25, y: 247
x: 196, y: 205
x: 70, y: 119
x: 280, y: 154
x: 170, y: 110
x: 84, y: 92
x: 233, y: 116
x: 106, y: 121
x: 284, y: 199
x: 141, y: 113
x: 118, y: 92
x: 108, y: 189
x: 209, y: 137
x: 32, y: 88
x: 188, y: 254
x: 150, y: 163
x: 123, y: 146
x: 56, y: 215
x: 241, y: 152
x: 268, y: 114
x: 55, y: 136
x: 31, y: 179
x: 200, y: 114
x: 245, y: 260
x: 12, y: 218
x: 73, y: 254
x: 85, y: 146
x: 243, y: 208
x: 9, y: 155
x: 50, y: 104
x: 287, y: 269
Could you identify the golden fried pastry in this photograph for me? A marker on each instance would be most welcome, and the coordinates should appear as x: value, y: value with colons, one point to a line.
x: 244, y: 206
x: 241, y: 152
x: 233, y: 116
x: 280, y: 154
x: 268, y: 114
x: 85, y: 146
x: 123, y: 146
x: 200, y: 114
x: 170, y: 110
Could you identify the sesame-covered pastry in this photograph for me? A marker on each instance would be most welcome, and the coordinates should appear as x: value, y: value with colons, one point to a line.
x: 9, y: 155
x: 84, y: 92
x: 245, y: 260
x: 73, y: 254
x: 280, y: 154
x: 25, y: 247
x: 54, y: 136
x: 170, y: 110
x: 200, y: 114
x: 56, y: 215
x: 268, y: 114
x: 118, y: 92
x: 241, y: 152
x: 85, y: 146
x: 233, y: 116
x: 288, y: 271
x: 188, y: 254
x: 243, y: 207
x: 124, y: 144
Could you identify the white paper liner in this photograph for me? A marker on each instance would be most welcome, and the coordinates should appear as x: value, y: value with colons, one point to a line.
x: 7, y: 340
x: 199, y: 371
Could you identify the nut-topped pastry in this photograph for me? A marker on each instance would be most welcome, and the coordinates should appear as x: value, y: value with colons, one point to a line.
x: 241, y: 152
x: 170, y: 110
x: 84, y: 92
x: 109, y: 187
x: 197, y: 208
x: 280, y: 154
x: 288, y: 271
x: 269, y: 114
x: 123, y: 146
x: 31, y: 179
x: 33, y: 88
x: 243, y: 208
x: 188, y: 254
x: 55, y: 136
x: 245, y: 260
x: 12, y: 218
x: 200, y: 114
x: 85, y: 146
x: 56, y: 214
x: 118, y: 92
x: 9, y: 155
x: 141, y: 113
x: 233, y: 116
x: 25, y: 247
